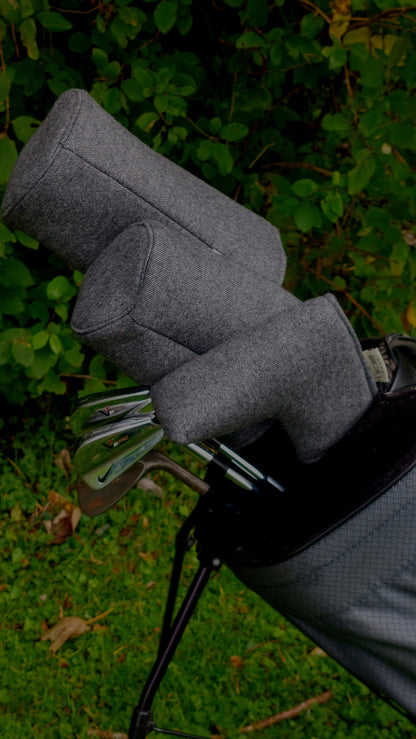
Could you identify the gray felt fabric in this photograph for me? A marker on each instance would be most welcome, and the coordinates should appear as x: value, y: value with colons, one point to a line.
x: 303, y: 367
x: 183, y: 287
x: 354, y: 593
x: 83, y: 178
x: 189, y: 296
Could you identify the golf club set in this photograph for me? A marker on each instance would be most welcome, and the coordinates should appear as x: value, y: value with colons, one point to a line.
x: 183, y: 292
x: 117, y: 433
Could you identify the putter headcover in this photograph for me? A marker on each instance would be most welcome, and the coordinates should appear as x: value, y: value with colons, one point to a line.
x: 183, y: 285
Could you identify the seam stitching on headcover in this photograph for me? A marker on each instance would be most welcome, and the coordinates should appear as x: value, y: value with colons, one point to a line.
x: 110, y: 322
x: 169, y: 338
x: 59, y: 147
x: 171, y: 218
x: 88, y: 334
x: 158, y: 210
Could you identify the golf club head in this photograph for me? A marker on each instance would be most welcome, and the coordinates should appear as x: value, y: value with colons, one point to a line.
x: 93, y: 502
x: 99, y: 409
x: 122, y: 429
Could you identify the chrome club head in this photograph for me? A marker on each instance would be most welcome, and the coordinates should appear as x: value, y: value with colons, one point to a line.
x: 117, y: 429
x: 93, y: 502
x: 99, y: 409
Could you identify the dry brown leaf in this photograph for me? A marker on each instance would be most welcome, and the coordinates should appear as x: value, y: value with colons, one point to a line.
x: 63, y: 460
x: 148, y: 556
x: 56, y: 500
x: 409, y: 237
x: 66, y: 519
x: 150, y: 487
x: 65, y: 629
x: 236, y: 662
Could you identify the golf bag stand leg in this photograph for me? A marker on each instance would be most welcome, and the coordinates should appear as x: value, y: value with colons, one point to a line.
x: 142, y: 722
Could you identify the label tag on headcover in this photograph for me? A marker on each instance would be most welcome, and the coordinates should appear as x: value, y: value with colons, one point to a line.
x: 377, y: 365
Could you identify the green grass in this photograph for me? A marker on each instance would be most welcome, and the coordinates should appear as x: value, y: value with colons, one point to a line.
x: 239, y: 661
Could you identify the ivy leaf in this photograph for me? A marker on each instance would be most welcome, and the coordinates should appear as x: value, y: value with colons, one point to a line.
x: 40, y: 339
x: 44, y: 360
x: 332, y: 206
x: 52, y: 384
x: 132, y: 90
x: 165, y: 16
x: 24, y: 127
x: 258, y: 12
x: 335, y: 122
x: 250, y: 40
x: 55, y: 344
x: 11, y: 302
x: 147, y: 120
x: 53, y: 21
x: 311, y: 25
x: 79, y: 42
x: 223, y: 157
x: 15, y: 274
x: 23, y: 352
x: 304, y: 188
x: 28, y: 32
x: 27, y: 240
x: 234, y: 131
x: 307, y: 216
x: 74, y: 356
x: 8, y: 156
x: 204, y: 150
x: 60, y: 288
x: 359, y: 177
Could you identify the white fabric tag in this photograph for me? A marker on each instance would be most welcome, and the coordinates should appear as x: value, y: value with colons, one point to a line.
x: 377, y: 365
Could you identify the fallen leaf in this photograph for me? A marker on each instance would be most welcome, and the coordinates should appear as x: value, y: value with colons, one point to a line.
x: 63, y: 460
x: 148, y: 556
x: 409, y: 237
x: 66, y: 517
x: 65, y: 629
x: 318, y: 652
x: 150, y: 487
x: 236, y: 662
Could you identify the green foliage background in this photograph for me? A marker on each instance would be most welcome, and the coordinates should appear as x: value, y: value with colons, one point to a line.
x: 303, y: 112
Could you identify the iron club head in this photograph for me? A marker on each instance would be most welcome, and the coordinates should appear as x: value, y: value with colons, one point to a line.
x: 117, y: 429
x: 99, y: 409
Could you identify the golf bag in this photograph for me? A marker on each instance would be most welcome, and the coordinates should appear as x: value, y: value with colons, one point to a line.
x: 183, y: 291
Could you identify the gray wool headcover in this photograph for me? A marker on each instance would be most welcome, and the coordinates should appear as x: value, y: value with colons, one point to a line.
x: 183, y: 287
x: 83, y: 178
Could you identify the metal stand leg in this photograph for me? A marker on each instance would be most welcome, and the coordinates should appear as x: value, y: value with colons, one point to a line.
x: 142, y: 722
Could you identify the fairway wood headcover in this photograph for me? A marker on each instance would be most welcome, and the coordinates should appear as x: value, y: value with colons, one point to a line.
x: 183, y: 285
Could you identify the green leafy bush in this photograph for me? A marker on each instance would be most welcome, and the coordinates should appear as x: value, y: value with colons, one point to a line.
x: 303, y: 112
